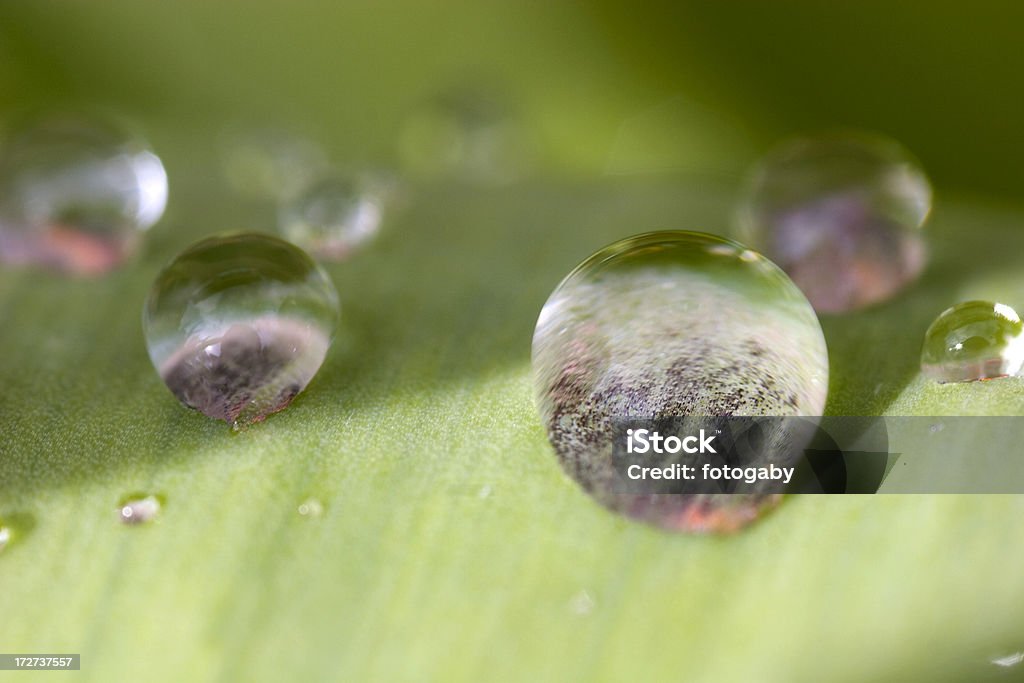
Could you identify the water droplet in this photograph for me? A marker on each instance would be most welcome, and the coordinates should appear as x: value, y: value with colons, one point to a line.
x: 1009, y: 660
x: 973, y: 340
x: 270, y: 163
x: 238, y: 325
x: 14, y: 527
x: 841, y: 214
x: 76, y: 194
x: 468, y: 132
x: 582, y: 604
x: 139, y: 508
x: 484, y: 492
x: 672, y: 324
x: 334, y: 216
x: 311, y: 508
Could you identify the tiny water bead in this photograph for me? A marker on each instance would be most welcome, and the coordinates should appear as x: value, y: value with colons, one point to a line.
x: 311, y: 508
x: 237, y: 325
x: 672, y: 324
x: 841, y: 213
x: 974, y: 340
x: 14, y: 526
x: 76, y: 195
x: 139, y: 508
x: 335, y: 216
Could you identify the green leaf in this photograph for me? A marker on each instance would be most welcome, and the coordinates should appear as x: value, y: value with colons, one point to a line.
x: 451, y: 546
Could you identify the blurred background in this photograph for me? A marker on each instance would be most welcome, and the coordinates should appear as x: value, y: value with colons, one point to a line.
x: 600, y: 86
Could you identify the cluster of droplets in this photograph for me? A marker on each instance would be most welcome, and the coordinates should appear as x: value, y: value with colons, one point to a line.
x: 76, y: 194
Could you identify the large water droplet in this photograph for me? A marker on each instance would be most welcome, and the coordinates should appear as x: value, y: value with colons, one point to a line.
x: 334, y: 216
x: 238, y: 325
x: 139, y: 508
x: 672, y: 324
x: 76, y: 194
x: 974, y: 340
x: 841, y: 214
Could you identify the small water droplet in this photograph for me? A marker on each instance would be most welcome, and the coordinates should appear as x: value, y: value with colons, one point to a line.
x: 270, y: 163
x: 335, y: 216
x: 139, y: 508
x: 238, y: 325
x: 485, y: 491
x: 311, y: 508
x: 1009, y: 660
x: 467, y: 132
x: 76, y: 193
x: 841, y: 214
x: 672, y: 324
x: 14, y: 527
x: 973, y: 340
x: 936, y: 428
x: 582, y: 604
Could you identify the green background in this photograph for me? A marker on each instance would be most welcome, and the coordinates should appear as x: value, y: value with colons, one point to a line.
x: 451, y: 546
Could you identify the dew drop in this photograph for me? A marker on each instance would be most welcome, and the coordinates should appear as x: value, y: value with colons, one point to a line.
x: 238, y: 325
x: 311, y: 508
x: 582, y: 604
x: 1009, y: 660
x: 76, y: 194
x: 13, y: 528
x: 139, y: 508
x: 335, y: 216
x: 841, y: 214
x: 974, y: 340
x: 270, y: 163
x: 672, y: 324
x: 466, y: 132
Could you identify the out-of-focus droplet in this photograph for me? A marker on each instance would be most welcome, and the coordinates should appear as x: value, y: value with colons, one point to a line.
x: 582, y: 604
x: 311, y: 508
x: 469, y: 133
x: 139, y: 508
x: 76, y: 194
x: 974, y: 340
x: 14, y: 526
x: 238, y: 325
x: 672, y: 324
x: 841, y: 214
x: 270, y: 163
x: 336, y: 215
